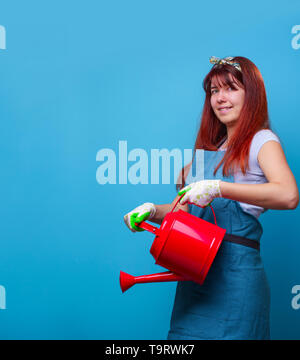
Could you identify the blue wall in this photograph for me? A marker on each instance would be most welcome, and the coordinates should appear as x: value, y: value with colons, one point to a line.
x: 79, y: 76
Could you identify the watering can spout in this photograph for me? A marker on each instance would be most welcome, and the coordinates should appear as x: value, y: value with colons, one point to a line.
x: 127, y: 280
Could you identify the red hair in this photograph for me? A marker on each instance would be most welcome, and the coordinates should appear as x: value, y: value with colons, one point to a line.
x: 253, y: 116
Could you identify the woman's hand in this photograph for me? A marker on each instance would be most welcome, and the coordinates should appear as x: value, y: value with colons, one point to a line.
x: 139, y: 214
x: 200, y: 193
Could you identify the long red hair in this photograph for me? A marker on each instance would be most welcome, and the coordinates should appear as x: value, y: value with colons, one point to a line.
x: 253, y: 117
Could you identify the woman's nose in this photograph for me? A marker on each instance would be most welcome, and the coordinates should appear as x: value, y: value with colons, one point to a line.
x: 221, y: 97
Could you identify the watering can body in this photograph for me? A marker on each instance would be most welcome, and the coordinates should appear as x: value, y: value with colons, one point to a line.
x: 187, y: 245
x: 184, y: 244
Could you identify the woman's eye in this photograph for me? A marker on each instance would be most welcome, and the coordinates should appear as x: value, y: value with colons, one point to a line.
x: 232, y: 88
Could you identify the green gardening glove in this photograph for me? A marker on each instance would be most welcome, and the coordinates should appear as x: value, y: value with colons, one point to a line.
x: 200, y: 193
x: 139, y: 214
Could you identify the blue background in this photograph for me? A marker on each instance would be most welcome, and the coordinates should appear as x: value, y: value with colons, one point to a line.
x: 79, y: 76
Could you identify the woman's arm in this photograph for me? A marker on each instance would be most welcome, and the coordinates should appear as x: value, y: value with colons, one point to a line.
x: 152, y: 212
x: 281, y: 191
x: 162, y: 210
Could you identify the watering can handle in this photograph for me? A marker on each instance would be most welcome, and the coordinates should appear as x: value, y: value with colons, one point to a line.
x: 144, y: 225
x: 196, y: 205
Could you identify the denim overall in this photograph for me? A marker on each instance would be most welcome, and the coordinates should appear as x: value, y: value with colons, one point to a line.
x: 234, y: 301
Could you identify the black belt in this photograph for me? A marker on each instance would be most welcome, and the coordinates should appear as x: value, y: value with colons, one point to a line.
x: 242, y: 241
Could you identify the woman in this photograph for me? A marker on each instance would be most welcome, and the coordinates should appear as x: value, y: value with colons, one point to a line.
x: 245, y: 173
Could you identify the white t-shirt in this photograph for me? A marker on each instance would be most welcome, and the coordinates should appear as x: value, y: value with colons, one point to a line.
x: 254, y: 174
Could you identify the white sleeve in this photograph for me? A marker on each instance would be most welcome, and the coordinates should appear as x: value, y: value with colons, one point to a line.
x: 259, y: 139
x: 254, y: 174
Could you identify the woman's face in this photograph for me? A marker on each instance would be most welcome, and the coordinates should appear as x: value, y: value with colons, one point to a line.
x: 227, y: 100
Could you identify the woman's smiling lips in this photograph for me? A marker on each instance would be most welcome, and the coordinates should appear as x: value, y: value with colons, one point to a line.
x: 224, y: 109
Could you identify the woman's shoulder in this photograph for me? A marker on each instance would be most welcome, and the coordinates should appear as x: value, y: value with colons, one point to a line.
x: 259, y: 139
x: 264, y: 135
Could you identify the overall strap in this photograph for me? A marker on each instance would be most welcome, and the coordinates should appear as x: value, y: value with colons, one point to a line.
x: 242, y: 241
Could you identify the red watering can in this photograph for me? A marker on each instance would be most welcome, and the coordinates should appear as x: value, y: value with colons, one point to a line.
x: 184, y: 244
